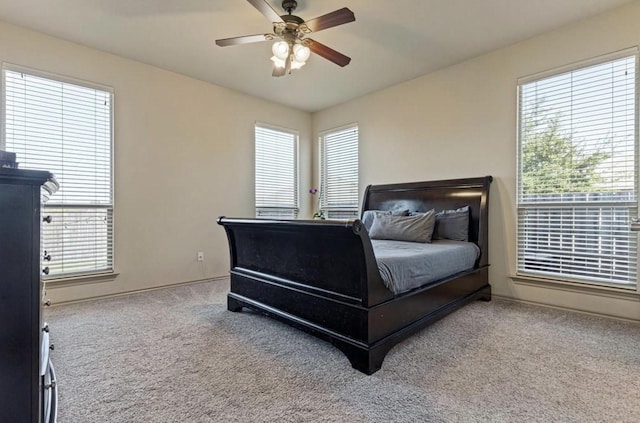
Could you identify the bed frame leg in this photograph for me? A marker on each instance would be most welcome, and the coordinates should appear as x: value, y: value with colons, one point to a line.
x: 486, y: 296
x: 233, y: 304
x: 368, y: 362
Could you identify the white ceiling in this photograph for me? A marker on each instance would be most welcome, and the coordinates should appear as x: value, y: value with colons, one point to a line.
x: 390, y: 41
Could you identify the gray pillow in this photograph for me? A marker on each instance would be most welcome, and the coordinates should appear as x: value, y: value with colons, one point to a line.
x: 368, y: 215
x: 417, y: 228
x: 452, y: 224
x: 396, y: 211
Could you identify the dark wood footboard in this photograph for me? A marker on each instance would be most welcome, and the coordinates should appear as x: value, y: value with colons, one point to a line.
x: 322, y: 276
x: 331, y: 259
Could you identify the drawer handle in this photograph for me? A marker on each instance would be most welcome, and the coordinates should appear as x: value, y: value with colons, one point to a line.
x: 47, y: 303
x: 46, y: 270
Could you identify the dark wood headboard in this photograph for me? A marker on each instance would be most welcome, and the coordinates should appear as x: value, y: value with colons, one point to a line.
x: 439, y: 195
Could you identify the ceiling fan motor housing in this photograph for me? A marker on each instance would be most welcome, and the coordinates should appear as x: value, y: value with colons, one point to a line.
x: 292, y: 28
x: 289, y: 5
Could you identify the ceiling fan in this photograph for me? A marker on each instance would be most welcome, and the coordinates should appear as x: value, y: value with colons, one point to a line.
x: 292, y: 48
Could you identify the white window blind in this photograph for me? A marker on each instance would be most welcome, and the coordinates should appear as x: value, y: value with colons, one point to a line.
x: 276, y: 172
x: 65, y: 128
x: 339, y: 173
x: 577, y: 174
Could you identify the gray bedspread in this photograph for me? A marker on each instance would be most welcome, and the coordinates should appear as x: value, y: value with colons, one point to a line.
x: 408, y: 265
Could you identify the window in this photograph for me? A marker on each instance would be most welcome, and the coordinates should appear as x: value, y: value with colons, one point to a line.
x: 276, y: 172
x: 339, y: 173
x: 577, y: 173
x: 65, y: 127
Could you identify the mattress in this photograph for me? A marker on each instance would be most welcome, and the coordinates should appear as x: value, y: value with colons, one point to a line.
x: 408, y: 265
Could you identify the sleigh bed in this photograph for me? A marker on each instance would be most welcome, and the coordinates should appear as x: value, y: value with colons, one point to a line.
x: 323, y: 276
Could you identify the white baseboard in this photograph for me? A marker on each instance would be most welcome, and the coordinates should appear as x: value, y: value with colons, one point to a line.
x: 139, y: 291
x: 573, y: 310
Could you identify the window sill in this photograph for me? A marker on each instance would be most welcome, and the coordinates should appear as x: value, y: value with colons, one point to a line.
x: 599, y: 290
x: 81, y: 280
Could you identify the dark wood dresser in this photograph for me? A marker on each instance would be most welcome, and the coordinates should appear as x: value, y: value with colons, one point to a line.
x: 28, y: 390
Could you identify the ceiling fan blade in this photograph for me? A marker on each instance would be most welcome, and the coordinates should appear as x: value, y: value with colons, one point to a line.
x: 278, y: 71
x: 335, y: 18
x: 287, y: 65
x: 329, y: 53
x: 246, y: 39
x: 266, y: 10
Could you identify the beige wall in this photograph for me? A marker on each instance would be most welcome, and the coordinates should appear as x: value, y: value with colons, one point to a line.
x: 461, y: 122
x: 183, y: 156
x: 184, y: 149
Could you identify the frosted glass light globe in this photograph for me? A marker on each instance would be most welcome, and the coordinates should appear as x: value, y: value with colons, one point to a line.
x: 295, y: 64
x: 280, y: 50
x: 301, y: 52
x: 278, y: 62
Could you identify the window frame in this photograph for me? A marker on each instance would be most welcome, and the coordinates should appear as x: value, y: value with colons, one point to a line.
x: 278, y: 212
x: 558, y: 281
x: 111, y: 208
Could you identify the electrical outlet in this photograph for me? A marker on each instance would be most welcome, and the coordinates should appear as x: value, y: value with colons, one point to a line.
x: 200, y: 256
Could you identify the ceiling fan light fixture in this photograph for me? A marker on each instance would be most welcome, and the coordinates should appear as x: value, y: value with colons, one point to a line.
x: 280, y: 50
x: 301, y: 53
x: 278, y: 62
x: 296, y: 64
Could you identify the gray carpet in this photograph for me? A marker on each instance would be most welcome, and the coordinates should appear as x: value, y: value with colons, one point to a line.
x: 177, y: 355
